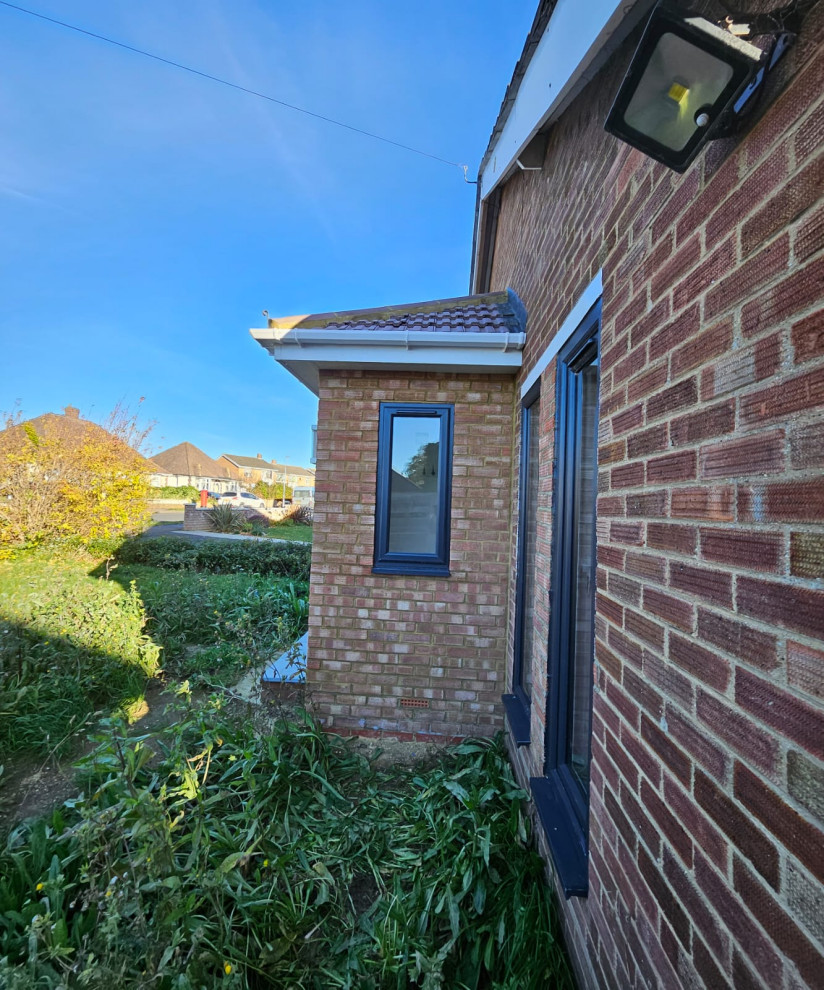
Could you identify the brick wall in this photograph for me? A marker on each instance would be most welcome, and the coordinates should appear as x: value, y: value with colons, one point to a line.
x: 196, y: 520
x: 706, y: 842
x: 408, y: 654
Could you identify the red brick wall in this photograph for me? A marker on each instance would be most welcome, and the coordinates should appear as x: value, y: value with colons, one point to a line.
x: 707, y: 849
x: 376, y: 640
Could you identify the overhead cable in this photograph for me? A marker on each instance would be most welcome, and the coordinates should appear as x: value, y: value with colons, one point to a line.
x: 232, y: 85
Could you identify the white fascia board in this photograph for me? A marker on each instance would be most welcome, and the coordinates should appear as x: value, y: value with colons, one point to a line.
x: 575, y: 44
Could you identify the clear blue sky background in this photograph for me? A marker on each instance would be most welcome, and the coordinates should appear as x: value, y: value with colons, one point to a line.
x: 148, y: 216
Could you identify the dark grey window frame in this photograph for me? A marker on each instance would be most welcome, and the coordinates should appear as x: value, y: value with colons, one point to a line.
x: 385, y: 561
x: 517, y: 704
x: 562, y: 804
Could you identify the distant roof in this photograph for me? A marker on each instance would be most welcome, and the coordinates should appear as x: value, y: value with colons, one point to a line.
x: 186, y: 459
x: 492, y: 312
x: 481, y: 334
x: 69, y: 425
x: 250, y: 462
x: 293, y: 468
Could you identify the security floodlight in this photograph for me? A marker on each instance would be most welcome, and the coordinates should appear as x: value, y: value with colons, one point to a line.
x: 682, y: 86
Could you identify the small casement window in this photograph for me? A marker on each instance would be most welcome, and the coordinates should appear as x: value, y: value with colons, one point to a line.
x: 414, y: 487
x: 562, y: 794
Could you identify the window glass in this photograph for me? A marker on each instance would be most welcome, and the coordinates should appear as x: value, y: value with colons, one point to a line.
x: 414, y: 490
x: 583, y: 591
x: 532, y: 416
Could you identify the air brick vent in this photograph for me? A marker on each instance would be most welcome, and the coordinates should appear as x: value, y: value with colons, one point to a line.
x: 414, y: 702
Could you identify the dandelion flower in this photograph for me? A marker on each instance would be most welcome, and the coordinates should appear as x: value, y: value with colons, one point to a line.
x: 227, y: 968
x: 39, y: 886
x: 266, y: 862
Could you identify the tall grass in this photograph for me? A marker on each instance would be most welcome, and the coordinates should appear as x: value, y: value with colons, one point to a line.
x: 282, y: 861
x: 212, y: 625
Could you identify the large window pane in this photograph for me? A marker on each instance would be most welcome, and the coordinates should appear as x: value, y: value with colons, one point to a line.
x: 414, y: 492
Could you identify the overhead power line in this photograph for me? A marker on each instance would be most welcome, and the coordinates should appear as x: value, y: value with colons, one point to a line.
x: 226, y: 82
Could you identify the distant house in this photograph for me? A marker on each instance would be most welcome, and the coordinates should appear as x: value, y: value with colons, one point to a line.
x: 185, y: 464
x: 250, y: 470
x: 294, y: 475
x: 617, y: 555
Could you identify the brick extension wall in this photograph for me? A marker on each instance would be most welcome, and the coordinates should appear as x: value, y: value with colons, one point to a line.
x: 400, y: 653
x: 707, y: 850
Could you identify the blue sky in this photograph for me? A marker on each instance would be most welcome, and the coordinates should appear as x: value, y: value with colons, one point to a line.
x: 149, y: 216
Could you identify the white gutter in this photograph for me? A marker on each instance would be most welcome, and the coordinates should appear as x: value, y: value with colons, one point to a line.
x: 272, y: 338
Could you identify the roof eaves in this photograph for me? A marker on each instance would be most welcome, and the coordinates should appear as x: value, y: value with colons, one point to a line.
x: 506, y: 301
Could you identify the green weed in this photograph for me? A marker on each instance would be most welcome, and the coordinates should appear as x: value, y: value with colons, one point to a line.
x: 282, y: 861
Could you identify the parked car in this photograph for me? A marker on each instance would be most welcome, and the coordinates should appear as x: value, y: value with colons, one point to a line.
x: 242, y: 500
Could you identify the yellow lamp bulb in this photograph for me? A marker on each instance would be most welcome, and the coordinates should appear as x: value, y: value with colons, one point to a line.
x: 678, y: 93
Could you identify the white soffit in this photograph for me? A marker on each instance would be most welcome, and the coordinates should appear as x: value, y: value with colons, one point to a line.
x: 578, y: 39
x: 303, y: 352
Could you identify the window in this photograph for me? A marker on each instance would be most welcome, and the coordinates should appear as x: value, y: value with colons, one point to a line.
x: 517, y: 703
x: 413, y: 489
x: 562, y: 794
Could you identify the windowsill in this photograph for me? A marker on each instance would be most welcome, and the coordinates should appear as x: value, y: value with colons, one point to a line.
x: 517, y: 715
x: 567, y: 842
x: 428, y: 570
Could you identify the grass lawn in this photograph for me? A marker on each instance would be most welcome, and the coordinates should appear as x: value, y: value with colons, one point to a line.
x: 290, y: 531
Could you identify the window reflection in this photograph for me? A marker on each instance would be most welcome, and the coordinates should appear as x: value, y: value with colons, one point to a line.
x: 414, y: 490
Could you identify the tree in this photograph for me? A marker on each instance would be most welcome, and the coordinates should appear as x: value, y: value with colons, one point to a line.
x: 62, y: 475
x: 273, y: 491
x: 422, y: 468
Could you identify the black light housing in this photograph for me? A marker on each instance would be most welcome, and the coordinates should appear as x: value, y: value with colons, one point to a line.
x: 682, y: 86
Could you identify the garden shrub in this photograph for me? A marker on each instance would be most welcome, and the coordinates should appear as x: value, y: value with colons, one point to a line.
x: 67, y: 648
x: 187, y: 492
x: 282, y: 860
x: 290, y: 560
x: 65, y: 476
x: 301, y: 515
x: 226, y: 519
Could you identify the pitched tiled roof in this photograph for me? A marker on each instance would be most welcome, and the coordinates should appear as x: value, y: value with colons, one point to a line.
x: 492, y: 312
x: 186, y: 459
x: 293, y: 469
x: 251, y: 462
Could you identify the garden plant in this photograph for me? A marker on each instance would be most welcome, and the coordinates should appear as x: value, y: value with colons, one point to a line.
x: 226, y: 858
